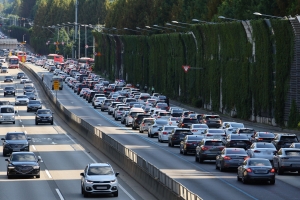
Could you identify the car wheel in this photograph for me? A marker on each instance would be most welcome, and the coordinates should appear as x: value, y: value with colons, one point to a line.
x: 244, y: 180
x: 116, y: 194
x: 37, y: 176
x: 14, y: 122
x: 201, y: 160
x: 4, y: 153
x: 95, y: 107
x: 102, y: 110
x: 272, y: 182
x: 141, y: 131
x: 52, y: 123
x: 184, y: 152
x: 221, y: 168
x: 27, y: 110
x: 151, y: 135
x: 238, y: 178
x: 217, y: 167
x: 279, y: 170
x: 9, y: 176
x: 36, y: 123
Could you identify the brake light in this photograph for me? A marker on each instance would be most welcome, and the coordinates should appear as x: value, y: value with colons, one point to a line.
x: 249, y: 170
x: 204, y: 148
x: 256, y: 151
x: 272, y: 170
x: 194, y: 130
x: 260, y: 139
x: 182, y: 124
x: 247, y: 157
x: 209, y: 135
x: 227, y: 158
x: 165, y: 133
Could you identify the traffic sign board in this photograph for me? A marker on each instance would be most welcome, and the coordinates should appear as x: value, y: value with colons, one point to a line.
x: 56, y: 85
x: 186, y: 68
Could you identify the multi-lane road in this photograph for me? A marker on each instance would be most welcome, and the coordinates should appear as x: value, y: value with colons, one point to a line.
x: 64, y: 155
x: 202, y: 179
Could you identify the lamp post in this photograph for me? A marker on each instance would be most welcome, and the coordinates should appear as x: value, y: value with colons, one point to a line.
x: 165, y: 27
x: 259, y: 14
x: 85, y: 39
x: 128, y: 29
x: 149, y: 27
x: 168, y: 24
x: 176, y: 22
x: 222, y: 17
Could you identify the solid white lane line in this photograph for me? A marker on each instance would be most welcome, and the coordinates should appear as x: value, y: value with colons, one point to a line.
x: 59, y: 194
x: 33, y: 147
x: 40, y: 158
x: 48, y: 173
x: 20, y: 120
x: 23, y: 126
x: 127, y: 193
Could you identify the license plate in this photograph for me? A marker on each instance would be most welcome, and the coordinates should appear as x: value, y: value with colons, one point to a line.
x: 240, y: 143
x: 101, y: 188
x: 44, y: 120
x: 16, y: 149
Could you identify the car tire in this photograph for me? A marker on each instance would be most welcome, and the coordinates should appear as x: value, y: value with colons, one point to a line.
x: 221, y: 168
x: 140, y: 131
x: 4, y: 154
x: 116, y: 194
x: 272, y: 182
x: 279, y: 170
x: 201, y: 160
x: 36, y: 123
x: 9, y: 176
x: 180, y: 150
x: 38, y: 176
x: 95, y: 107
x: 244, y: 180
x: 51, y: 123
x: 151, y: 136
x: 238, y: 178
x: 14, y: 122
x: 27, y: 110
x: 102, y: 110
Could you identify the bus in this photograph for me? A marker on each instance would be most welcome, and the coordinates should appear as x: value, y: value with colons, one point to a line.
x: 13, y: 62
x: 21, y: 55
x: 86, y: 61
x: 57, y: 78
x: 55, y: 58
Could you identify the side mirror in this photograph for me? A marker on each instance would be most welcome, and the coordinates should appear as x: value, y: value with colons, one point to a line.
x: 274, y: 153
x: 117, y: 174
x: 2, y: 138
x: 81, y: 174
x: 28, y: 138
x: 16, y: 112
x: 6, y: 159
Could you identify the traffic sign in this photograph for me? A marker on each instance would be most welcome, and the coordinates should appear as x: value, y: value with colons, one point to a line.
x: 186, y: 68
x: 86, y: 46
x: 56, y: 85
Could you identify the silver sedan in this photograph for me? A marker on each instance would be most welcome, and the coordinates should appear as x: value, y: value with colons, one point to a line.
x: 287, y: 159
x: 262, y: 150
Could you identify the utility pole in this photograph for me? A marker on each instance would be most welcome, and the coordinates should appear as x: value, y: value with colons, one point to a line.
x: 76, y: 8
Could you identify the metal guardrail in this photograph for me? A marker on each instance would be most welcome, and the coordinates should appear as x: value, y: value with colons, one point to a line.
x: 141, y: 169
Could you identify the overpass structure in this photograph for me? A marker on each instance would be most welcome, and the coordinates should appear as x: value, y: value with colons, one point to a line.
x: 9, y: 44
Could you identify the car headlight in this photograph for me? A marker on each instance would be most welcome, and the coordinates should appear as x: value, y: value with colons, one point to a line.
x: 10, y: 167
x: 113, y: 181
x: 88, y: 181
x: 13, y: 117
x: 36, y: 167
x: 38, y: 117
x: 1, y: 116
x: 17, y: 101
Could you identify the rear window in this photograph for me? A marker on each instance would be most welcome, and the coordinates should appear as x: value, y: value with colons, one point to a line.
x: 266, y: 135
x: 133, y: 114
x: 246, y: 131
x: 169, y: 128
x: 195, y: 138
x: 164, y: 114
x: 200, y: 126
x: 177, y: 111
x: 214, y: 143
x: 265, y: 145
x: 162, y: 122
x: 289, y: 138
x: 292, y: 153
x: 237, y: 125
x: 149, y: 121
x: 194, y: 121
x: 235, y: 151
x: 216, y: 131
x: 236, y: 137
x: 183, y: 132
x: 213, y: 117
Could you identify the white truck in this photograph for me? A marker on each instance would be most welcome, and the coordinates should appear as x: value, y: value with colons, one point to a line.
x: 7, y: 113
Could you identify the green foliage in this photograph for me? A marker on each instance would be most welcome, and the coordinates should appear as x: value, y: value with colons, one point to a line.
x: 294, y: 117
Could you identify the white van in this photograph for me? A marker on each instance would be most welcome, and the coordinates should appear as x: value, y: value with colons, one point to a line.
x: 7, y: 113
x: 132, y: 114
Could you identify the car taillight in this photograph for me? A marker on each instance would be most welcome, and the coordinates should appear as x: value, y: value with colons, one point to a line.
x: 260, y: 139
x: 194, y: 130
x: 272, y: 170
x: 284, y: 158
x: 158, y: 116
x: 249, y: 170
x: 256, y: 151
x: 209, y: 135
x: 247, y: 157
x: 227, y: 158
x: 165, y: 133
x: 204, y: 148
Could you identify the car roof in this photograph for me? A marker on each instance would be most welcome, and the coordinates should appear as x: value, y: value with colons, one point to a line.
x: 99, y: 164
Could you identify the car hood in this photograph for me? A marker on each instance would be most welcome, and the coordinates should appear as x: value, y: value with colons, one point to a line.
x: 16, y: 141
x: 22, y: 99
x: 44, y: 115
x: 101, y: 177
x: 24, y: 163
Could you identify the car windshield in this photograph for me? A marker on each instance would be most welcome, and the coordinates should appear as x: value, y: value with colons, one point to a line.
x: 265, y: 145
x: 7, y: 110
x: 100, y: 170
x: 8, y: 76
x: 160, y: 122
x: 237, y: 125
x: 43, y: 112
x: 259, y: 163
x: 21, y: 97
x: 200, y: 126
x: 23, y: 158
x: 235, y: 151
x: 292, y: 153
x: 216, y: 131
x: 15, y: 136
x: 9, y: 88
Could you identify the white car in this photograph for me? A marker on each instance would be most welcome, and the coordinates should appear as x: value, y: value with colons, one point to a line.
x: 198, y: 129
x: 99, y: 178
x: 23, y: 79
x: 262, y: 150
x: 173, y: 121
x: 132, y: 113
x: 2, y: 60
x: 98, y: 101
x: 231, y: 127
x: 21, y: 100
x: 163, y: 133
x: 153, y: 129
x: 119, y: 112
x: 145, y: 124
x: 83, y: 90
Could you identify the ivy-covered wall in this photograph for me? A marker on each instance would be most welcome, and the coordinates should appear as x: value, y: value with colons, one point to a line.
x: 225, y: 75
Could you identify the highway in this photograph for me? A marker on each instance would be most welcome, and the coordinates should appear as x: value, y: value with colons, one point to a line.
x: 64, y: 155
x: 202, y: 179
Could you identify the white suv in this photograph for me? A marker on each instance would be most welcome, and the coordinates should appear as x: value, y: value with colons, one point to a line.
x: 99, y: 178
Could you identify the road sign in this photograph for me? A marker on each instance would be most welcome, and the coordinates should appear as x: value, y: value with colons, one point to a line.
x: 86, y: 46
x: 186, y: 68
x: 56, y: 85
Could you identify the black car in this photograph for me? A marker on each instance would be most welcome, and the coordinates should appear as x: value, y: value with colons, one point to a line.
x: 186, y: 122
x: 258, y: 169
x: 20, y: 75
x: 138, y: 119
x: 34, y: 105
x: 189, y: 144
x: 177, y: 135
x: 8, y: 79
x: 14, y: 142
x: 9, y: 90
x: 284, y: 140
x: 237, y: 141
x: 263, y: 137
x: 208, y: 149
x: 212, y: 121
x: 23, y: 164
x: 30, y: 95
x: 43, y: 116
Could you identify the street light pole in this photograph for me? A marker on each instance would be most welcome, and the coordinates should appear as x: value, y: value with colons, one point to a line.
x: 79, y: 42
x: 259, y: 14
x: 76, y: 8
x: 85, y: 50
